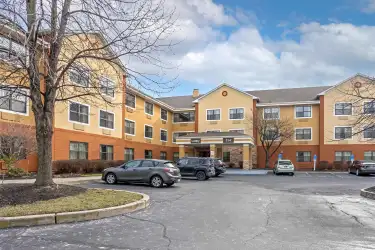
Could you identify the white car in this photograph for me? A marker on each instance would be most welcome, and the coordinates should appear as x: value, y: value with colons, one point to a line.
x: 283, y: 166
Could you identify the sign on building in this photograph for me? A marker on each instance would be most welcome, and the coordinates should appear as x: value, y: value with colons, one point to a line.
x: 228, y: 140
x: 195, y: 140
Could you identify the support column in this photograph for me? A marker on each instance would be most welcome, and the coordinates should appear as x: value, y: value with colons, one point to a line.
x: 212, y: 151
x: 246, y: 156
x: 181, y: 151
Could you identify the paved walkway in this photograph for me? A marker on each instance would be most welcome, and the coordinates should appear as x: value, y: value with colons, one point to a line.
x: 56, y: 180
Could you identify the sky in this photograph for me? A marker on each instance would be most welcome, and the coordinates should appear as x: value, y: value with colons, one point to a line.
x: 264, y: 44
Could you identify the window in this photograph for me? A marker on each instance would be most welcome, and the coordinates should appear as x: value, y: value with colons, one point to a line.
x: 148, y: 154
x: 226, y: 156
x: 178, y: 134
x: 148, y: 131
x: 12, y: 52
x: 164, y: 114
x: 129, y: 127
x: 369, y: 107
x: 236, y: 114
x: 106, y: 152
x: 129, y: 154
x: 163, y: 135
x: 213, y: 114
x: 78, y: 150
x: 343, y: 108
x: 188, y: 116
x: 343, y: 133
x: 79, y: 113
x: 106, y: 119
x: 148, y: 164
x: 271, y: 113
x: 303, y: 111
x: 107, y: 86
x: 176, y: 156
x: 79, y: 75
x: 133, y: 164
x: 163, y: 155
x: 271, y: 134
x: 130, y: 100
x: 369, y: 133
x: 303, y: 133
x: 13, y: 99
x: 343, y: 155
x: 240, y: 131
x: 149, y: 108
x: 369, y: 156
x: 303, y: 156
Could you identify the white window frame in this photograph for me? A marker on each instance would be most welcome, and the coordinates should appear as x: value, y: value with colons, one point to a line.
x: 114, y: 119
x: 135, y: 101
x: 161, y: 112
x: 211, y: 110
x: 295, y: 111
x: 84, y: 69
x: 153, y: 108
x: 264, y: 108
x: 213, y: 130
x: 334, y: 133
x: 176, y: 112
x: 144, y: 132
x: 160, y: 134
x: 27, y: 103
x: 334, y: 108
x: 236, y: 119
x: 234, y: 129
x: 88, y: 119
x: 175, y: 132
x: 295, y: 134
x: 135, y: 127
x: 363, y: 135
x: 114, y: 87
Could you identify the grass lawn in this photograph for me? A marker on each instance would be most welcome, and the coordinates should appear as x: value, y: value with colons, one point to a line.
x: 87, y: 200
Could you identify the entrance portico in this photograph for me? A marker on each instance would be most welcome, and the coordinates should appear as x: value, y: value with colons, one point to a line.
x: 212, y: 144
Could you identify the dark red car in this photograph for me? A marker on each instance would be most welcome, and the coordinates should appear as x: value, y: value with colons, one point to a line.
x: 362, y: 168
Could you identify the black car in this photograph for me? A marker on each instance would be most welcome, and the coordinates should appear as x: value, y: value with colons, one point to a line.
x: 219, y: 166
x: 201, y: 168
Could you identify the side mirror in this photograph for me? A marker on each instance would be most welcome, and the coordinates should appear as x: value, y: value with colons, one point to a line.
x: 124, y: 167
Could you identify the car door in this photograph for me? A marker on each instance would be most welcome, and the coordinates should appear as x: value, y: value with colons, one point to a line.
x: 190, y: 166
x: 128, y: 171
x: 181, y: 164
x: 144, y: 171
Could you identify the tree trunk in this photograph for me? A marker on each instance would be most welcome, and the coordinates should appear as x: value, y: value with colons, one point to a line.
x: 44, y: 133
x: 267, y: 160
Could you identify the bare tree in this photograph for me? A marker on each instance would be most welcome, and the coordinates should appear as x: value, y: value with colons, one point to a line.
x: 50, y: 42
x: 16, y: 142
x: 272, y: 133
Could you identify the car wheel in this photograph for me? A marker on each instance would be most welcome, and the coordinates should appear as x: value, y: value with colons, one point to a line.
x: 201, y: 175
x: 170, y: 184
x: 357, y: 173
x: 216, y: 175
x: 291, y: 174
x: 156, y: 181
x: 111, y: 178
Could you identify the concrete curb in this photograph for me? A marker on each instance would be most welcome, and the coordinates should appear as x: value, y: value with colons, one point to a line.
x: 367, y: 194
x: 58, y: 218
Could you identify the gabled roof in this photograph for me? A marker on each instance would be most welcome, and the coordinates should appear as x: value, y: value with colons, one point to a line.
x: 348, y: 79
x: 215, y: 134
x: 179, y: 102
x: 222, y: 85
x: 290, y: 95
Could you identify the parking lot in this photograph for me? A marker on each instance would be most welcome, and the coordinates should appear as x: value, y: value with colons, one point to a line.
x: 307, y: 211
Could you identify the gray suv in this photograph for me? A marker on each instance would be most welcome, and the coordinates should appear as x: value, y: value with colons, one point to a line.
x: 153, y: 172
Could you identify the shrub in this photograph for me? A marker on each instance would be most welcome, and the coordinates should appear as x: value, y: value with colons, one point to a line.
x: 323, y: 165
x: 231, y: 165
x: 240, y: 164
x: 16, y: 172
x: 83, y: 166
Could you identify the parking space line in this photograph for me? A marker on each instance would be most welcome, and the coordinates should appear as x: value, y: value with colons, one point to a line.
x: 337, y: 175
x: 308, y: 174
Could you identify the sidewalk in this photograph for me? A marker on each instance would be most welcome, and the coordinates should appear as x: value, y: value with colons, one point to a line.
x: 56, y: 180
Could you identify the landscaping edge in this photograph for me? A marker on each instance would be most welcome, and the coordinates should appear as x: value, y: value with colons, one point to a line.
x: 67, y: 217
x: 367, y: 194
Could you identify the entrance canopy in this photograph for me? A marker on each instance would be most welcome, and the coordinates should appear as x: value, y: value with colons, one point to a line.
x: 215, y: 138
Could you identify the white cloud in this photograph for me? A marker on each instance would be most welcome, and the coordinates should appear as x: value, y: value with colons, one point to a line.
x: 323, y: 54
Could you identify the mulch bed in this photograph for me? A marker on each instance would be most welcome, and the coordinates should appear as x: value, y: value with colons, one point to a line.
x: 16, y: 194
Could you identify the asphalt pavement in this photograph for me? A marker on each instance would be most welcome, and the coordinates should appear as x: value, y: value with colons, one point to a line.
x: 307, y: 211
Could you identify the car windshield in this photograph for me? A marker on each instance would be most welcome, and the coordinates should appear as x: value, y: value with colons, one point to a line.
x: 169, y: 165
x: 285, y: 163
